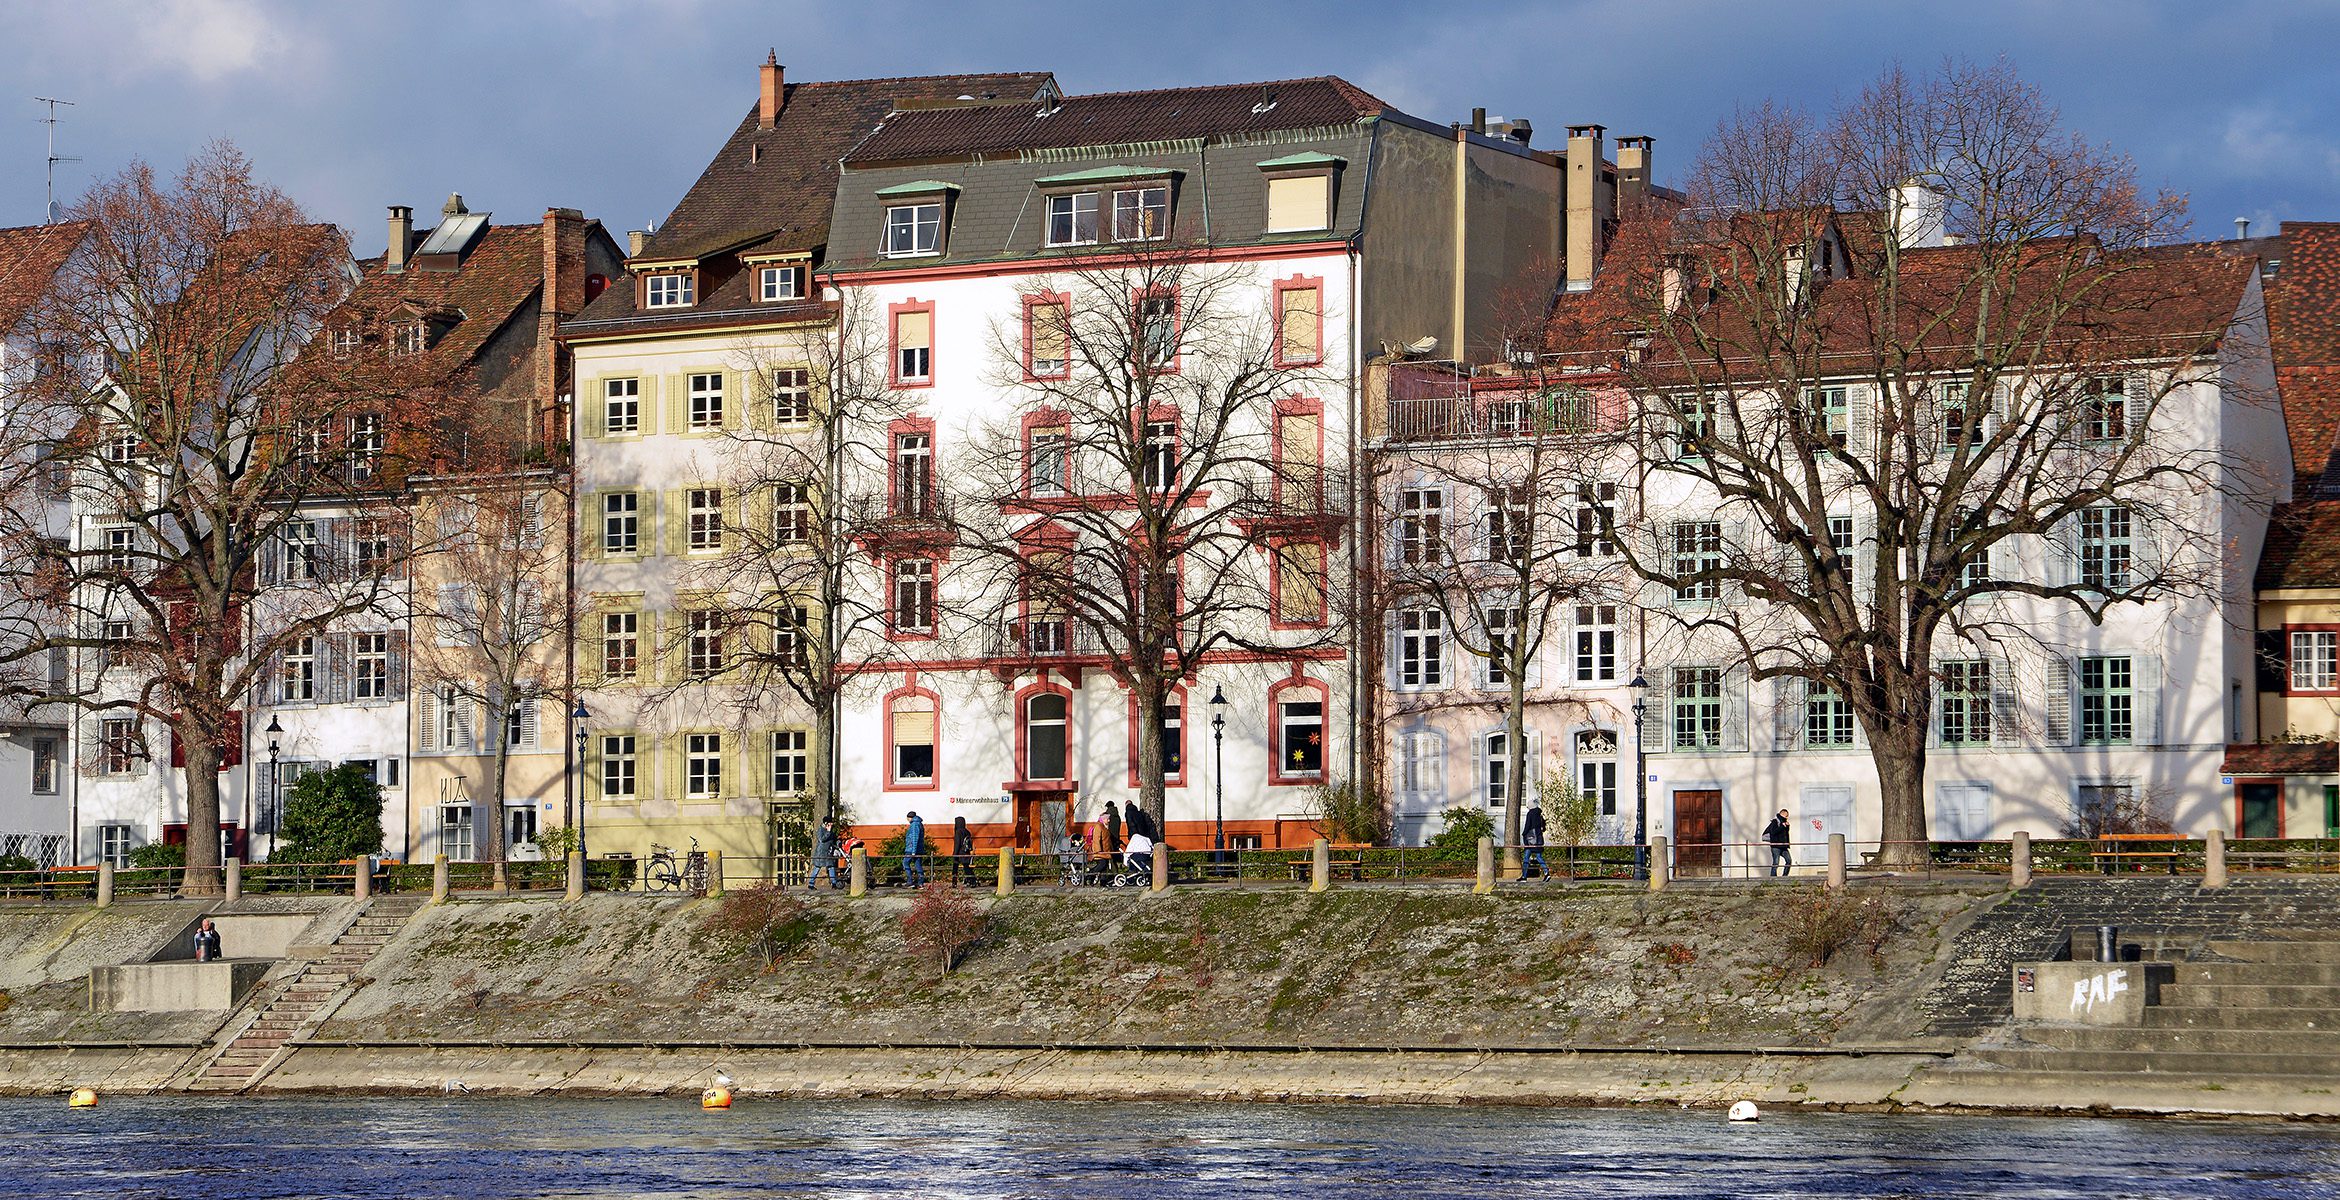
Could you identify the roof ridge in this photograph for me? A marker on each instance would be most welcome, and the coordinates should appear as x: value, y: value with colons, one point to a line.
x: 820, y: 83
x: 1333, y: 80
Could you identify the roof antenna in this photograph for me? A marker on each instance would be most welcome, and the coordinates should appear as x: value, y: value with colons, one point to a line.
x: 49, y: 214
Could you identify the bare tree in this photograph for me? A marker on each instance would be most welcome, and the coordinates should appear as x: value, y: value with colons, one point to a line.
x: 1149, y: 500
x: 491, y: 617
x: 198, y: 431
x: 1883, y: 350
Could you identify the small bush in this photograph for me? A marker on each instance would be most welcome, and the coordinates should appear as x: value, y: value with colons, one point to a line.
x: 1570, y: 813
x: 1343, y: 812
x: 1679, y: 954
x: 155, y: 855
x: 17, y: 862
x: 944, y: 921
x: 1819, y: 924
x: 332, y: 816
x: 558, y: 842
x: 1459, y: 841
x: 768, y: 918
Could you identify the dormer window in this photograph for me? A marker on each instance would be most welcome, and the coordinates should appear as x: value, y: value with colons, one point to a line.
x: 1141, y: 214
x: 913, y: 230
x: 1072, y: 219
x: 409, y: 337
x: 346, y: 341
x: 776, y: 284
x: 673, y: 289
x: 1300, y: 191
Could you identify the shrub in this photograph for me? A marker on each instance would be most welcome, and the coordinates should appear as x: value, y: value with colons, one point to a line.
x: 769, y: 918
x: 17, y: 862
x: 1343, y: 812
x: 158, y: 855
x: 1459, y: 841
x: 944, y: 921
x: 1680, y: 954
x: 1570, y: 815
x: 1819, y: 924
x: 332, y: 815
x: 558, y: 842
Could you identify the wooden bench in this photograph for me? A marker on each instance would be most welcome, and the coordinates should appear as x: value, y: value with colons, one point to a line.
x: 1338, y: 867
x: 2113, y: 849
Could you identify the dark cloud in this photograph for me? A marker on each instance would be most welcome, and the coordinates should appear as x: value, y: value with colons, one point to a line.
x: 612, y: 106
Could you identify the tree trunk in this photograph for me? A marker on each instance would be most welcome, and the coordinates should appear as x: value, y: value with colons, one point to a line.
x: 202, y: 876
x: 1152, y: 796
x: 488, y: 837
x: 1515, y: 746
x: 1900, y: 758
x: 824, y: 753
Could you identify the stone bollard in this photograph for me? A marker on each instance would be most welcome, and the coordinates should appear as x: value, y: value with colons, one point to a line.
x: 361, y: 879
x: 1660, y: 864
x: 440, y: 881
x: 2019, y: 860
x: 857, y: 876
x: 105, y: 896
x: 1484, y: 882
x: 576, y: 875
x: 1161, y: 868
x: 715, y: 873
x: 1836, y: 861
x: 1320, y: 866
x: 2214, y: 859
x: 1007, y: 871
x: 235, y: 880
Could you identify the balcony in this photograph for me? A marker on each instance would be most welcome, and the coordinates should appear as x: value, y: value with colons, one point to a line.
x: 1432, y: 402
x: 1026, y: 643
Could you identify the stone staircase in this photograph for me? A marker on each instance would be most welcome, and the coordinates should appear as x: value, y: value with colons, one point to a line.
x: 2262, y: 1010
x: 281, y: 1014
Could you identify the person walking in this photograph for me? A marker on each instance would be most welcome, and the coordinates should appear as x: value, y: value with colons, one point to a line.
x: 1531, y: 838
x: 1776, y: 833
x: 914, y: 852
x: 962, y: 849
x: 206, y: 942
x: 824, y: 855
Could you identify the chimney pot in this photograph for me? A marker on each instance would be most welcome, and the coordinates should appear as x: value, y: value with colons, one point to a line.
x: 2242, y: 228
x: 1478, y: 120
x: 401, y: 241
x: 768, y: 107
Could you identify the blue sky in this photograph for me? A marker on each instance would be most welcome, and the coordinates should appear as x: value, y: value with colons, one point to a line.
x: 613, y: 106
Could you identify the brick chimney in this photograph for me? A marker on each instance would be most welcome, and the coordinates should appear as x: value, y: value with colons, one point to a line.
x: 1587, y: 205
x: 768, y: 111
x: 401, y: 238
x: 564, y: 297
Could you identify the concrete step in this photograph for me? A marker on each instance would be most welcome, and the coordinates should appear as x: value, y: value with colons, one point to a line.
x: 2288, y: 950
x: 2208, y: 1041
x: 231, y: 1070
x: 2262, y: 1019
x: 262, y: 1042
x: 2241, y: 973
x: 2250, y: 995
x: 361, y: 939
x: 2207, y: 1064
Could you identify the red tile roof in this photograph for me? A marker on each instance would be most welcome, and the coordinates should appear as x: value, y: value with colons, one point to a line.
x: 2282, y: 758
x: 2303, y: 327
x: 1115, y: 118
x: 502, y: 271
x: 30, y: 258
x: 2303, y: 546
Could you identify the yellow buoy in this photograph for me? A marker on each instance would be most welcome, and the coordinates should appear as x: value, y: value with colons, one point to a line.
x: 82, y: 1098
x: 715, y: 1097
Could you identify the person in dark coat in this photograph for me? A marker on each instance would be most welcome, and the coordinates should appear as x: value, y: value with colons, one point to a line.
x: 1112, y: 844
x: 1531, y: 837
x: 914, y: 852
x: 824, y: 855
x: 1141, y: 824
x: 206, y: 942
x: 962, y: 849
x: 1776, y: 833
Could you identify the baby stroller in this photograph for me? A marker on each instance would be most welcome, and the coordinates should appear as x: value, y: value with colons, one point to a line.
x: 1137, y: 863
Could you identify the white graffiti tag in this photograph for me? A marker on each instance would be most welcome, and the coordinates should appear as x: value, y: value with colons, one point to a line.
x: 2098, y: 989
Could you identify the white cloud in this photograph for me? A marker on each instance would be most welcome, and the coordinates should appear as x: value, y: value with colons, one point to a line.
x: 2265, y: 143
x: 209, y: 40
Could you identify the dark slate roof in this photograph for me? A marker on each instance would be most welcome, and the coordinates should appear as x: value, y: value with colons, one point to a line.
x: 1120, y: 118
x: 2282, y: 758
x: 30, y: 257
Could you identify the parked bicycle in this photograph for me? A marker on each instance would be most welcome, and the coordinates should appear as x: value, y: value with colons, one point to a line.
x: 664, y: 875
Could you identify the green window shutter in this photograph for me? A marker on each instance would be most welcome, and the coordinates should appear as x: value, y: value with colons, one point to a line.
x: 592, y: 398
x: 678, y: 402
x: 735, y: 400
x: 676, y: 777
x: 589, y: 525
x: 647, y: 404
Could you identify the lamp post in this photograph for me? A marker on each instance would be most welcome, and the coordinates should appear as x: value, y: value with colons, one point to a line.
x: 577, y: 774
x: 1640, y: 688
x: 275, y: 784
x: 1219, y: 768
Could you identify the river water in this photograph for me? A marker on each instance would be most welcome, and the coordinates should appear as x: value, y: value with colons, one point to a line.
x: 432, y: 1147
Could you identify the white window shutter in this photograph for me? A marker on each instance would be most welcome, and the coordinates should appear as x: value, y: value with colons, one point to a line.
x: 2062, y: 545
x: 1787, y: 726
x: 2138, y: 389
x: 334, y: 687
x: 1658, y: 714
x: 529, y: 737
x: 1734, y: 554
x: 2005, y: 712
x: 397, y: 663
x: 2145, y: 687
x: 1864, y: 552
x: 2059, y: 701
x: 272, y: 559
x: 1432, y: 774
x: 1860, y: 421
x: 466, y: 725
x: 1734, y: 708
x: 427, y: 706
x: 2145, y: 564
x: 451, y: 622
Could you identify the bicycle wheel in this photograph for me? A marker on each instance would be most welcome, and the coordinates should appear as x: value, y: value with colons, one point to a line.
x: 663, y: 877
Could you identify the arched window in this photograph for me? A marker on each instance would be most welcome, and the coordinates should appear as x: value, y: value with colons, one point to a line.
x: 1299, y: 707
x: 1046, y: 740
x: 1596, y: 768
x: 1495, y: 766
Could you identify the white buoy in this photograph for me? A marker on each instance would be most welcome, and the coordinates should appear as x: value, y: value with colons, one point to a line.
x: 1745, y: 1110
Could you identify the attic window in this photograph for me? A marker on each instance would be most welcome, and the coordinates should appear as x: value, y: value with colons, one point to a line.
x: 410, y: 337
x: 1299, y: 202
x: 346, y: 341
x: 670, y: 290
x: 914, y: 229
x: 775, y: 284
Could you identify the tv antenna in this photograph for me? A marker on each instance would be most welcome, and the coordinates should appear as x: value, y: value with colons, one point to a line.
x: 49, y: 213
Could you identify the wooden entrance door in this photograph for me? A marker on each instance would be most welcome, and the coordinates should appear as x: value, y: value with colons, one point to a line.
x: 2261, y: 805
x: 1698, y: 833
x: 1042, y: 819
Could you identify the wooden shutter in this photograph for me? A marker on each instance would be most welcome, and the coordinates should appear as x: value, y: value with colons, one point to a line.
x: 1787, y: 727
x: 2062, y: 548
x: 678, y: 521
x: 1860, y: 419
x: 530, y: 733
x: 427, y: 710
x: 593, y: 408
x: 1299, y: 202
x: 397, y: 662
x: 2145, y: 700
x: 590, y: 514
x: 1299, y: 327
x: 1734, y: 708
x: 334, y: 668
x: 2137, y: 395
x: 2058, y: 722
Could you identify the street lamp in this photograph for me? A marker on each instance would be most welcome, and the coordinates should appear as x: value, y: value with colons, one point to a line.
x: 577, y: 775
x: 1219, y: 766
x: 275, y: 785
x: 1640, y: 688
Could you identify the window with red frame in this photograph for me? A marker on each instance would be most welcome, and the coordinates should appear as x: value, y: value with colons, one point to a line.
x: 1300, y: 735
x: 914, y: 346
x: 1048, y: 338
x: 2315, y: 660
x: 1048, y: 461
x: 910, y: 726
x: 914, y: 595
x: 1047, y: 736
x: 914, y: 475
x: 1299, y: 325
x: 1299, y: 461
x: 1158, y: 457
